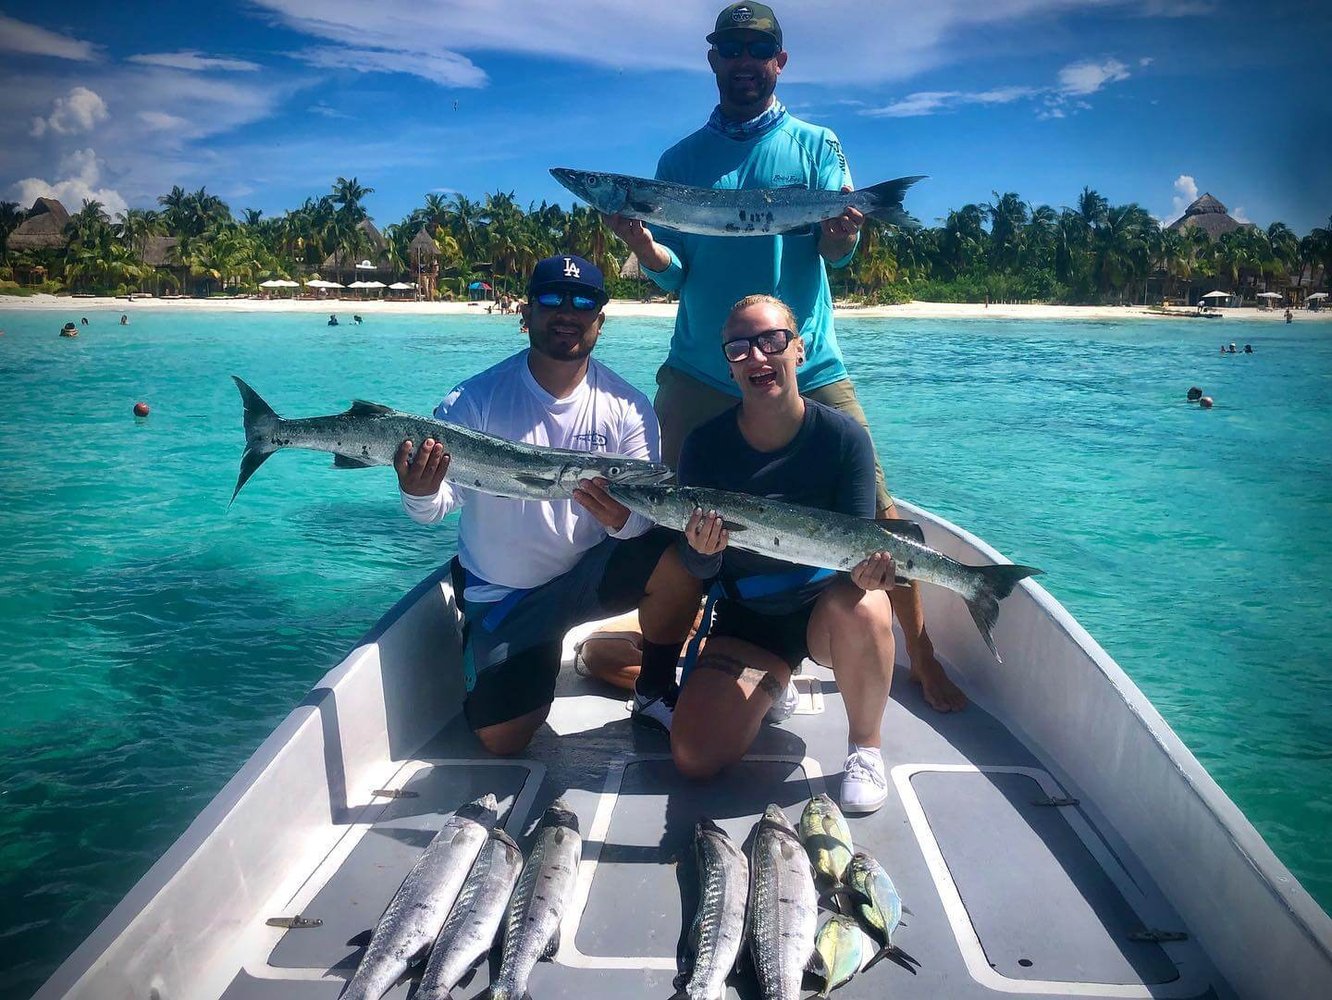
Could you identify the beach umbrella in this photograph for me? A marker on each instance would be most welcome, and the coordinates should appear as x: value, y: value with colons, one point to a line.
x: 1269, y: 295
x: 1217, y: 295
x: 286, y: 283
x: 373, y: 284
x: 402, y: 286
x: 1318, y: 295
x: 357, y: 284
x: 477, y: 286
x: 273, y: 283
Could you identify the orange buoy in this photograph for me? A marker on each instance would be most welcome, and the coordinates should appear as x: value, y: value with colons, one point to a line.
x: 1205, y: 402
x: 141, y: 409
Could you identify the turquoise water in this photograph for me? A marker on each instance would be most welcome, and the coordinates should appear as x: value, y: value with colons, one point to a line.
x: 153, y: 638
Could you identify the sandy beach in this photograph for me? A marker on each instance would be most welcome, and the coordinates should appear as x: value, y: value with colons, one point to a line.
x: 73, y: 307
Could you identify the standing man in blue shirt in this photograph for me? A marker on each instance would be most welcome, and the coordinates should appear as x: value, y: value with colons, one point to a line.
x: 752, y: 141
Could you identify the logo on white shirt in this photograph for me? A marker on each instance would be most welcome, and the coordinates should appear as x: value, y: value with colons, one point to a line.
x: 571, y: 269
x: 594, y: 439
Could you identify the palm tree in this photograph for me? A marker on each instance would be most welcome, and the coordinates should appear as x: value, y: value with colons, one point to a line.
x: 1007, y: 215
x: 135, y: 225
x: 11, y: 217
x: 348, y: 195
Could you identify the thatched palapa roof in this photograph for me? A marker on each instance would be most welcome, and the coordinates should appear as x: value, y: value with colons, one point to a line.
x: 44, y: 228
x: 378, y: 254
x: 422, y: 247
x: 1210, y: 216
x: 157, y: 251
x: 631, y: 268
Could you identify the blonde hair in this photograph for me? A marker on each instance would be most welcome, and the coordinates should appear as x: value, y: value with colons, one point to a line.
x: 764, y: 300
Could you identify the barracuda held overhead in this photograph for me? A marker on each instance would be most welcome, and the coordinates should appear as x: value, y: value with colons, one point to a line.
x: 712, y: 212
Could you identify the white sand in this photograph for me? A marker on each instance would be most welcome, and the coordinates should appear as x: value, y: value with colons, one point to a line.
x: 74, y: 307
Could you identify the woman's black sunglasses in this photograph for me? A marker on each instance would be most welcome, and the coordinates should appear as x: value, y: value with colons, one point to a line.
x: 769, y: 342
x: 759, y: 49
x: 553, y: 300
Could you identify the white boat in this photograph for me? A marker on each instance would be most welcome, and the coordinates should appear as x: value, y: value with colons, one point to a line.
x: 1054, y: 840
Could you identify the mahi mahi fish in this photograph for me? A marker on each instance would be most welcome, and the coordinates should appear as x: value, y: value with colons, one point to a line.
x: 718, y: 931
x: 783, y: 907
x: 470, y: 930
x: 422, y: 903
x: 369, y: 434
x: 827, y: 539
x: 532, y: 925
x: 745, y: 212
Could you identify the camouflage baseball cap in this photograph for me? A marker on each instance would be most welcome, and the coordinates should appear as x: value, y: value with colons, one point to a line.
x: 747, y: 17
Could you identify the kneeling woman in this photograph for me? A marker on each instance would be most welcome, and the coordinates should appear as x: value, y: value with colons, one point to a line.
x: 773, y: 614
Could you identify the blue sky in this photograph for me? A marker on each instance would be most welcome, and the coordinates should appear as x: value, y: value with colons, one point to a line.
x: 267, y: 102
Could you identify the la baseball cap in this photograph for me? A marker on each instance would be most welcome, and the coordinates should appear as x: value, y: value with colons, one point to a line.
x: 747, y: 17
x: 568, y: 273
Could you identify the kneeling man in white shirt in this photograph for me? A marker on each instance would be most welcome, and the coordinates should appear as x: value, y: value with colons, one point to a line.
x: 527, y: 571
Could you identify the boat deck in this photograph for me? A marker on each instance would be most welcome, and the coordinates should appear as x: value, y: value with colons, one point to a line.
x: 1010, y: 892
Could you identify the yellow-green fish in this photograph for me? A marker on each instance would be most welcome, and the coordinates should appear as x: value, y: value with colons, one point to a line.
x: 827, y: 838
x: 876, y: 902
x: 842, y: 949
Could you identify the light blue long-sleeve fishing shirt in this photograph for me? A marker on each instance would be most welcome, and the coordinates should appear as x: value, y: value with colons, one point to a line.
x: 712, y: 273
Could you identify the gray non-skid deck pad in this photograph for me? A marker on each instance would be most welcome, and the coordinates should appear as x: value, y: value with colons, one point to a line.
x: 1020, y: 870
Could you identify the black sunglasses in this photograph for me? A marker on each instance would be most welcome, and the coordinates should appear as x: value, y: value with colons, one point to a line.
x: 769, y: 342
x: 759, y: 49
x: 553, y: 300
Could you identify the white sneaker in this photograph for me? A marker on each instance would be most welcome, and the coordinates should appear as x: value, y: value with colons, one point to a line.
x: 655, y: 712
x: 864, y: 787
x: 784, y: 707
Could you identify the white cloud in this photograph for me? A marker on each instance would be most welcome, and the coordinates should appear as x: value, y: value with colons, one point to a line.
x: 448, y: 69
x: 1239, y: 215
x: 930, y: 102
x: 1186, y: 193
x: 1089, y: 77
x: 82, y: 173
x: 1074, y: 81
x: 191, y: 60
x: 827, y: 41
x: 160, y: 121
x: 19, y: 36
x: 78, y: 112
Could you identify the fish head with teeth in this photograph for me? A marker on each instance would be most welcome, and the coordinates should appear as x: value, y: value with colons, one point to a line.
x: 763, y: 349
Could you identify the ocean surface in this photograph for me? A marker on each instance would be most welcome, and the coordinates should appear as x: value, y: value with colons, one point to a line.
x: 152, y: 637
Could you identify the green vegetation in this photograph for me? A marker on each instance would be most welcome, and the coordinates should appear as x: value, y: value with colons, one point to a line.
x: 1005, y: 250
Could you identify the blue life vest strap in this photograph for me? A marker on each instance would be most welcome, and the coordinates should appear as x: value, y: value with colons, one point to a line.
x: 498, y: 610
x: 767, y: 584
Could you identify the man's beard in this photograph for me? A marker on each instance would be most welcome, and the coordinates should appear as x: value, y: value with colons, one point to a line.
x: 557, y: 349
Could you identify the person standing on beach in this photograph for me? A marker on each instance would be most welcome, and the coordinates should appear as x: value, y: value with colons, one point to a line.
x: 528, y: 571
x: 752, y: 141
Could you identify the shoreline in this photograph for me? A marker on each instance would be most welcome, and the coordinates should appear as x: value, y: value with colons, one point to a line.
x: 75, y: 307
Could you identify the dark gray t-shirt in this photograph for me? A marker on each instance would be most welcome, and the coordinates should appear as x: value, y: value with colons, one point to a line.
x: 829, y: 464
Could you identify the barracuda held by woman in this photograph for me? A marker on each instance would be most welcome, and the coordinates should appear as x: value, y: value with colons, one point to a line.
x: 829, y: 540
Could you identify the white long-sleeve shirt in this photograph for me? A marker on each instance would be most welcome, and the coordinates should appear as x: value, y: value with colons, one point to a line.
x: 518, y: 544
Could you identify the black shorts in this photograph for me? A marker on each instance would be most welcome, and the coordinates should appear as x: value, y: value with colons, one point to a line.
x: 786, y: 636
x: 512, y: 648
